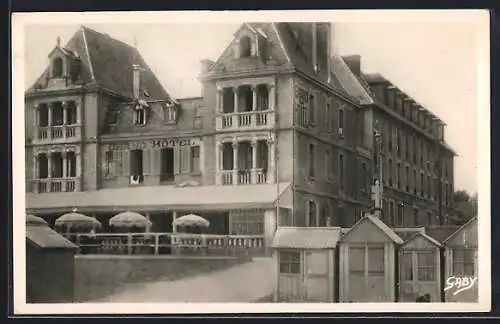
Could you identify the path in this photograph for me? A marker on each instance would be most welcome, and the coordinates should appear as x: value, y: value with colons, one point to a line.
x: 242, y: 283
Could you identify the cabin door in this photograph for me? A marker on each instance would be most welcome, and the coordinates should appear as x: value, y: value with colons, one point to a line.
x: 316, y: 286
x: 418, y: 275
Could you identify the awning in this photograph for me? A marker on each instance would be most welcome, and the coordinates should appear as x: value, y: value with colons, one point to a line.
x: 163, y: 197
x: 306, y: 238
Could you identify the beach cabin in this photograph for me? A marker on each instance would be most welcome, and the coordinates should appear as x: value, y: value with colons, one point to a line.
x: 306, y: 264
x: 461, y: 267
x: 419, y: 268
x: 367, y: 262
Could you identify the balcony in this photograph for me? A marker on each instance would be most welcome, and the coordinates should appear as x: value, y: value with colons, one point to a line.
x: 242, y: 177
x: 61, y: 133
x: 245, y: 120
x: 53, y: 185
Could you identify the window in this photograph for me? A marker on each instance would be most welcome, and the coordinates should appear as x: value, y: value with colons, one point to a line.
x: 109, y: 164
x: 312, y: 214
x: 139, y: 116
x: 406, y: 265
x: 75, y: 70
x: 312, y: 161
x: 341, y: 121
x: 390, y: 170
x: 375, y: 261
x: 136, y: 163
x: 289, y: 262
x: 341, y: 171
x: 430, y: 219
x: 326, y: 219
x: 329, y: 117
x: 415, y: 180
x: 416, y: 220
x: 390, y: 219
x: 407, y: 147
x: 167, y: 164
x: 365, y: 178
x: 57, y: 67
x: 399, y: 214
x: 245, y: 46
x: 312, y: 109
x: 422, y: 184
x: 71, y: 118
x: 302, y: 104
x: 407, y: 179
x: 429, y: 183
x: 170, y: 114
x: 247, y: 222
x: 195, y: 159
x: 43, y: 115
x: 328, y: 165
x: 415, y: 145
x: 357, y: 261
x: 426, y: 266
x: 43, y: 166
x: 398, y: 175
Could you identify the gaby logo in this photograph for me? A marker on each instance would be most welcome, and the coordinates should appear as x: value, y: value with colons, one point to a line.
x: 460, y: 284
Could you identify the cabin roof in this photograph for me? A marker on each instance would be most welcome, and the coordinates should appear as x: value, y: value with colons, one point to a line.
x: 425, y: 236
x: 380, y: 224
x: 306, y: 238
x: 474, y: 219
x: 42, y: 236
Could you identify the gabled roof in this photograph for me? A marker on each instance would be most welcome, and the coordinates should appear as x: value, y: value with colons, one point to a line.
x: 381, y: 225
x: 349, y: 81
x: 108, y: 63
x: 407, y: 233
x: 441, y: 232
x: 474, y: 219
x: 306, y: 237
x: 425, y: 236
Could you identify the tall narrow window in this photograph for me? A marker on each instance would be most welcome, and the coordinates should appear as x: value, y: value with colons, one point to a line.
x: 341, y: 122
x: 312, y: 214
x: 109, y: 163
x: 312, y: 161
x: 398, y: 175
x: 43, y: 169
x: 167, y: 164
x: 390, y: 173
x: 57, y: 67
x: 328, y: 165
x: 426, y: 266
x: 139, y: 116
x: 341, y: 171
x: 365, y: 178
x: 329, y: 117
x: 245, y: 46
x: 416, y: 219
x: 422, y: 184
x: 195, y: 159
x: 136, y: 170
x: 415, y: 182
x: 407, y: 179
x: 312, y: 109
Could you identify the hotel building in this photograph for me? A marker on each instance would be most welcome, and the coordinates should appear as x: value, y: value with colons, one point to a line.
x: 281, y: 121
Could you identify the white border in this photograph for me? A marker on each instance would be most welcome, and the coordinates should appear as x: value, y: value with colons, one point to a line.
x: 480, y: 17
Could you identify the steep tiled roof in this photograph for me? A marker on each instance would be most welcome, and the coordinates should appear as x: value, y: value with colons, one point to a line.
x: 108, y: 62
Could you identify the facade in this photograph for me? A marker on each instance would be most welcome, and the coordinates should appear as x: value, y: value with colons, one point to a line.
x: 281, y: 120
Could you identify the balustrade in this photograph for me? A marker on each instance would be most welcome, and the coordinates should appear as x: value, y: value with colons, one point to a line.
x: 53, y: 185
x: 168, y: 243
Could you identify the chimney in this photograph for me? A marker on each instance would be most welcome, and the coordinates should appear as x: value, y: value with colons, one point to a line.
x: 354, y: 63
x: 315, y: 47
x: 136, y: 80
x: 206, y: 65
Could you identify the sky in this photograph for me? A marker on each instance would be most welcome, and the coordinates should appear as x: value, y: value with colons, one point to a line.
x: 434, y: 62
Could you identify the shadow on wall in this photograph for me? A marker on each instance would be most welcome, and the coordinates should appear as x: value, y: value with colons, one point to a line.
x: 99, y: 276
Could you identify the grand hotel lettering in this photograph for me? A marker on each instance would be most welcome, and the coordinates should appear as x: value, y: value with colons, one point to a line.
x: 154, y: 144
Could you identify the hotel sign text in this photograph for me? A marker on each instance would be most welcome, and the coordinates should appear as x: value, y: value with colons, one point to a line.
x: 154, y: 144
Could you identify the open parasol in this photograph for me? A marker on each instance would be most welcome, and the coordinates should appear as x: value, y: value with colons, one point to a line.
x: 77, y: 220
x: 191, y: 220
x: 129, y: 219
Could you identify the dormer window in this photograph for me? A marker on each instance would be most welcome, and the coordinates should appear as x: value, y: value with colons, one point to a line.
x: 170, y: 112
x: 76, y: 70
x: 57, y: 67
x: 245, y: 46
x: 140, y: 115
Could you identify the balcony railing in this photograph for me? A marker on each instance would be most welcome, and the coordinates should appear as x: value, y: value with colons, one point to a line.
x: 168, y: 243
x: 60, y: 132
x: 246, y: 120
x: 242, y: 177
x: 53, y: 185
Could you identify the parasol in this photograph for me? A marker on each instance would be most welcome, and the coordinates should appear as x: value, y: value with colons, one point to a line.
x: 77, y: 220
x: 35, y: 220
x: 191, y: 220
x: 129, y: 219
